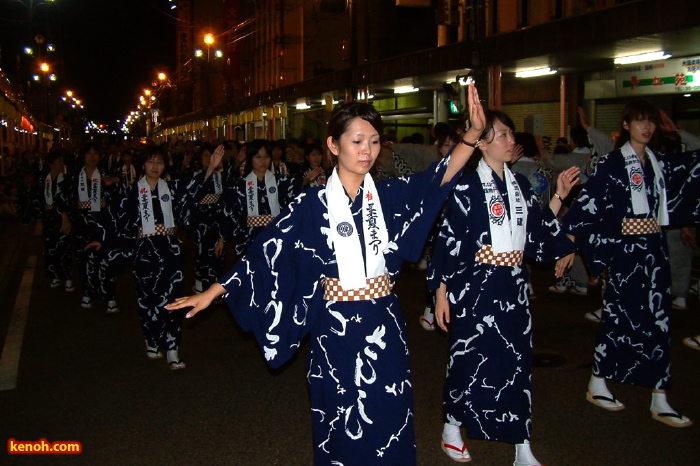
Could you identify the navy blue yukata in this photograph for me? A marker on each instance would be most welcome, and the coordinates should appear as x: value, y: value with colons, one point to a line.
x: 235, y: 223
x: 358, y: 370
x: 633, y: 339
x: 205, y: 228
x: 47, y: 207
x: 488, y: 386
x: 96, y: 275
x: 157, y: 259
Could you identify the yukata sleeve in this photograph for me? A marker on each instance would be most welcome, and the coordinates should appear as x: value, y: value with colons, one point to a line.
x: 545, y: 240
x: 682, y: 178
x: 65, y: 201
x: 187, y: 193
x: 592, y: 219
x: 275, y: 291
x: 117, y: 229
x: 234, y: 226
x: 414, y: 203
x: 449, y: 250
x: 35, y: 204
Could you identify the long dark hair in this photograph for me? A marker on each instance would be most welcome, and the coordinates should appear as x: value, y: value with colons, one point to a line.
x: 639, y: 109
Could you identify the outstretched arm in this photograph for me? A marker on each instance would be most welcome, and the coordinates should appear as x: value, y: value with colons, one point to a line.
x: 198, y: 301
x: 470, y: 139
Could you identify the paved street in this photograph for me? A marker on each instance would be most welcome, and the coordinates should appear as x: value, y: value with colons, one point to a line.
x: 83, y: 376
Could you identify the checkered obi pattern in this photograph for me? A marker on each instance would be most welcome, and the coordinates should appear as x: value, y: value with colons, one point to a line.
x: 377, y: 287
x: 259, y: 220
x: 210, y: 199
x: 485, y: 255
x: 640, y: 226
x: 84, y: 205
x: 160, y: 230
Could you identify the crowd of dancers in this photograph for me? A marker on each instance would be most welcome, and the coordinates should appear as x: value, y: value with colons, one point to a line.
x: 320, y: 241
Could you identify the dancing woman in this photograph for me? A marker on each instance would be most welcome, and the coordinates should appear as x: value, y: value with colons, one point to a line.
x: 142, y: 225
x: 492, y: 220
x: 616, y: 223
x: 325, y: 268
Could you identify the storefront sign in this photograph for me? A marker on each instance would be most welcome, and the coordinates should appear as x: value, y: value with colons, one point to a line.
x: 672, y: 76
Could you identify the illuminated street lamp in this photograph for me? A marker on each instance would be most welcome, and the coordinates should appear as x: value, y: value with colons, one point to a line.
x: 209, y: 40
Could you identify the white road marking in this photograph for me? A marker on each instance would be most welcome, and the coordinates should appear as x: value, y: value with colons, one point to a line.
x: 9, y: 360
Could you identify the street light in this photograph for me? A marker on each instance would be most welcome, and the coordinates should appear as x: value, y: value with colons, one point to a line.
x: 209, y: 41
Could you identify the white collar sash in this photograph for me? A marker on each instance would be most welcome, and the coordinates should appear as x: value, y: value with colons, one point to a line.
x: 352, y: 271
x: 507, y: 231
x: 129, y: 173
x: 94, y: 195
x: 218, y: 185
x: 251, y: 194
x: 48, y: 187
x: 638, y: 192
x: 148, y: 224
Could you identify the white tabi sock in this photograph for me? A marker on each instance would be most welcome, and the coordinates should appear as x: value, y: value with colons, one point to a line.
x: 452, y: 435
x: 659, y: 403
x: 524, y: 456
x: 598, y: 386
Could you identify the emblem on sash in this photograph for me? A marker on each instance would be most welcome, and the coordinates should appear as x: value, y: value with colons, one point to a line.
x: 497, y: 211
x: 637, y: 179
x: 344, y: 229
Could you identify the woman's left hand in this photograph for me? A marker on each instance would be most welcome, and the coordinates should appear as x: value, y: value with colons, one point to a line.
x: 567, y: 180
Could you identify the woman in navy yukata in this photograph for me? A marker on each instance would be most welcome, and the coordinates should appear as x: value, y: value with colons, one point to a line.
x: 491, y: 221
x: 256, y: 198
x: 616, y: 222
x: 312, y: 172
x: 325, y: 268
x: 205, y: 226
x: 143, y: 224
x: 84, y: 199
x: 44, y: 204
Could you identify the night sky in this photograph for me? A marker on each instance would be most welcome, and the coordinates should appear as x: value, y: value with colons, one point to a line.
x: 108, y: 50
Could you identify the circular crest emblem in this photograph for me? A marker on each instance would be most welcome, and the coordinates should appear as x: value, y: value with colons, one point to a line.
x: 273, y: 190
x: 637, y: 179
x: 497, y: 211
x: 344, y: 229
x: 165, y: 198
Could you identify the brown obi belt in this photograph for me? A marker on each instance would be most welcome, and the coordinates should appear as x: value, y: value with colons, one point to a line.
x: 160, y: 230
x: 640, y: 226
x: 485, y: 255
x: 259, y: 220
x: 85, y: 205
x: 377, y: 287
x: 49, y: 207
x: 210, y: 199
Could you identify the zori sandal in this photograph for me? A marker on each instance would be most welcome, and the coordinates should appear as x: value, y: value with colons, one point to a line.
x: 605, y: 402
x: 672, y: 419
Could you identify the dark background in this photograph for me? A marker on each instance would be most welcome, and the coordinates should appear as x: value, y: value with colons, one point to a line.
x: 107, y: 51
